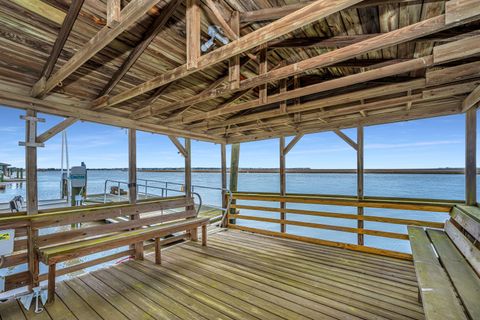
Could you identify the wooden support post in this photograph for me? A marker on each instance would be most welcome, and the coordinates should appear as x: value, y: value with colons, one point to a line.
x: 262, y: 69
x: 204, y: 235
x: 471, y: 157
x: 234, y: 162
x: 283, y: 183
x: 360, y: 183
x: 52, y: 270
x: 114, y: 8
x: 188, y: 168
x: 32, y: 195
x: 158, y: 251
x: 132, y: 184
x: 223, y: 151
x: 234, y: 63
x: 193, y: 33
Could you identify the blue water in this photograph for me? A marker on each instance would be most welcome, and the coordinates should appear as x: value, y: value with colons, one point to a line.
x: 435, y: 186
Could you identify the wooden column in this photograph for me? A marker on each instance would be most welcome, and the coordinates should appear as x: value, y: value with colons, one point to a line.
x: 132, y: 165
x: 193, y: 33
x: 283, y: 183
x: 188, y: 168
x: 234, y: 162
x: 360, y: 183
x: 234, y: 62
x: 223, y: 151
x: 32, y: 195
x: 132, y: 184
x: 471, y: 157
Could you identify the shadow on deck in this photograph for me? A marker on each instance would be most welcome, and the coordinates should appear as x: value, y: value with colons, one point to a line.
x: 240, y: 276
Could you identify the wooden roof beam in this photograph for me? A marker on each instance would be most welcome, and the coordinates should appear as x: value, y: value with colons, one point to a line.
x: 292, y: 143
x: 56, y: 129
x: 359, y: 95
x: 15, y: 100
x: 130, y: 14
x: 180, y: 147
x: 472, y: 100
x: 362, y: 77
x: 152, y: 32
x: 305, y: 16
x: 435, y: 110
x: 275, y: 13
x: 346, y: 138
x: 218, y: 18
x: 384, y: 40
x: 62, y: 37
x: 114, y: 8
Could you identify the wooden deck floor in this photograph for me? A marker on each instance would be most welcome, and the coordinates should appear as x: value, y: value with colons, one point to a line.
x: 240, y: 276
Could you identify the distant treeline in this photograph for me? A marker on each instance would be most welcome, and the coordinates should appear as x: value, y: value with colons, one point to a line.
x: 295, y: 170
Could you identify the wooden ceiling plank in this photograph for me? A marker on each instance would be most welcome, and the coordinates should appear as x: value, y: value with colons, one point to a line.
x: 289, y: 23
x: 50, y: 133
x: 149, y: 36
x: 459, y: 49
x: 62, y: 37
x: 380, y: 41
x: 130, y: 14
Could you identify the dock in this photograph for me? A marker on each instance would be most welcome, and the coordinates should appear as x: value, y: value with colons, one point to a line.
x: 240, y: 276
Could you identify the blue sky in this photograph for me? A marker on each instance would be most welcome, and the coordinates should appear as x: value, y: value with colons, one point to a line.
x: 430, y: 143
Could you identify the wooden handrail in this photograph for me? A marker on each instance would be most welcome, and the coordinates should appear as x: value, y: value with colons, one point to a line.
x: 417, y: 205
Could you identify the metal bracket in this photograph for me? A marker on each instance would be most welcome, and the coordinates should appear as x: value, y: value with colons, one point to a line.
x: 32, y: 138
x: 39, y: 294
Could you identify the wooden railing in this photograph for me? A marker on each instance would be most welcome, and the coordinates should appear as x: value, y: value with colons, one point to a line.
x: 61, y: 217
x: 332, y: 200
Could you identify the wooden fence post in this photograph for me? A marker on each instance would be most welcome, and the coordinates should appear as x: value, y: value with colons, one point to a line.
x: 283, y: 184
x: 132, y: 184
x: 360, y: 181
x: 234, y: 162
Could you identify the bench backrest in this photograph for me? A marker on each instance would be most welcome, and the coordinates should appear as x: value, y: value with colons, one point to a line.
x: 169, y: 209
x: 463, y: 229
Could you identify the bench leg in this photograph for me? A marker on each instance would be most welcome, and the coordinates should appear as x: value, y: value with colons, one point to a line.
x: 204, y: 235
x: 138, y: 247
x: 194, y: 234
x: 158, y: 251
x: 51, y: 282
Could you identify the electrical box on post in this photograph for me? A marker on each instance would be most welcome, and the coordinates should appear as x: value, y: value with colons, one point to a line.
x: 78, y: 177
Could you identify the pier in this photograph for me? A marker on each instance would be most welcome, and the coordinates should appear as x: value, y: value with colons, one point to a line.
x: 230, y: 72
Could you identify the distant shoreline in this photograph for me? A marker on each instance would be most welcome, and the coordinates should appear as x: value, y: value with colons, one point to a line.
x: 294, y: 170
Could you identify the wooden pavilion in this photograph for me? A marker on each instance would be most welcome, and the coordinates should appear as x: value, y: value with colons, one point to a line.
x: 275, y: 68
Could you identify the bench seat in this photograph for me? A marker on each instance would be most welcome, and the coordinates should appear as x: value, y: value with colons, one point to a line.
x: 448, y: 286
x: 59, y: 253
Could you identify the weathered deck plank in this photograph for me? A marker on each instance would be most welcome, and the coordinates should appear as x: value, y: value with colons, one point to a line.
x: 240, y: 276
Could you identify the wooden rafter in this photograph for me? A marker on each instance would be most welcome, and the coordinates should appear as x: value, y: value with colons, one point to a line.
x: 149, y: 36
x: 179, y: 146
x: 385, y: 40
x: 218, y: 18
x: 292, y: 143
x: 296, y: 20
x: 471, y: 100
x: 279, y: 12
x: 63, y: 34
x: 130, y: 14
x: 50, y: 133
x: 346, y: 138
x: 321, y: 87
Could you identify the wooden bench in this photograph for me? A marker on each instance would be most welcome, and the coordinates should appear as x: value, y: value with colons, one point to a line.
x: 447, y: 264
x: 62, y: 246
